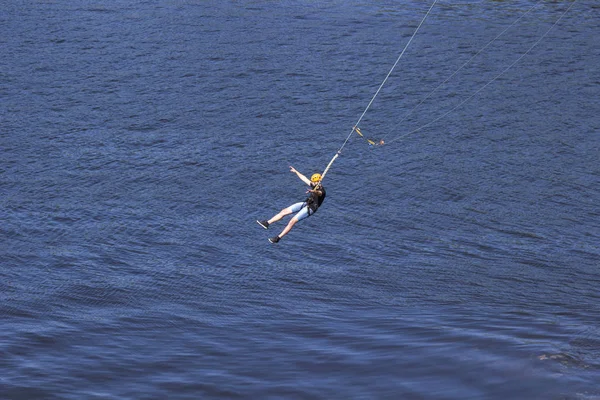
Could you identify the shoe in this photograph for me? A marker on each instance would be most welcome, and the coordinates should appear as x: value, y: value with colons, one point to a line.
x: 274, y: 239
x: 264, y: 224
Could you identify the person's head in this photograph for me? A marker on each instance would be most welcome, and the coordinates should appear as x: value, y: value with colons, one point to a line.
x: 315, y: 178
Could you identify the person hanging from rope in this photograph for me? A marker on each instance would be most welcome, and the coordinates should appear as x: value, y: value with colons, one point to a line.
x: 303, y: 209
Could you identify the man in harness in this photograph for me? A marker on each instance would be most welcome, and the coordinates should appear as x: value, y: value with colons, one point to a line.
x: 303, y: 209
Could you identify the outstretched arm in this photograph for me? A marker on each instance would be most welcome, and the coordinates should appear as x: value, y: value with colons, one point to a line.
x: 302, y: 177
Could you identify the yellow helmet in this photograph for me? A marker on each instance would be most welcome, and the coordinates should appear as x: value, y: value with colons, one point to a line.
x: 315, y: 178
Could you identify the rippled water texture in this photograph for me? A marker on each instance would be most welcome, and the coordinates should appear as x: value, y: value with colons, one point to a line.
x: 140, y: 141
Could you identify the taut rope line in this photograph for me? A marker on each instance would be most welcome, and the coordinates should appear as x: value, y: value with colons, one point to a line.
x: 491, y: 81
x: 377, y: 92
x: 465, y: 64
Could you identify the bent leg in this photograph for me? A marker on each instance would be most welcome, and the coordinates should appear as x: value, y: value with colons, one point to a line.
x: 288, y: 227
x: 298, y: 217
x: 281, y: 214
x: 286, y: 211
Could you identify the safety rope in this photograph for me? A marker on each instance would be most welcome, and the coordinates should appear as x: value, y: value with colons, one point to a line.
x: 465, y: 64
x: 491, y: 81
x: 355, y: 127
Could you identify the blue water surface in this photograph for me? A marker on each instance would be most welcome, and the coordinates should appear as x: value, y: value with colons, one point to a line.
x: 140, y: 141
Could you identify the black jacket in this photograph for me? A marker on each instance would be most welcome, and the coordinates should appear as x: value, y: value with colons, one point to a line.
x: 314, y: 201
